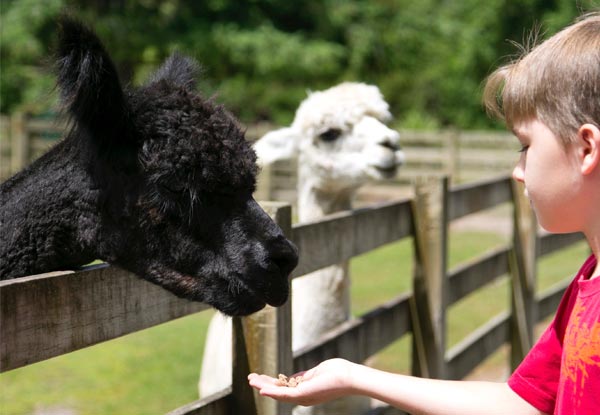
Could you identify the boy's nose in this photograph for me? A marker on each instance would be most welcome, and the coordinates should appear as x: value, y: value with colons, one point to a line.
x: 518, y: 174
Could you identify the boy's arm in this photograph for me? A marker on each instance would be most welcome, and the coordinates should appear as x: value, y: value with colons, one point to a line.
x: 431, y: 396
x: 337, y: 377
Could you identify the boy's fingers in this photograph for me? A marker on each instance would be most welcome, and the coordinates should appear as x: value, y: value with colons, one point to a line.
x: 305, y: 374
x: 281, y: 393
x: 270, y: 387
x: 261, y: 381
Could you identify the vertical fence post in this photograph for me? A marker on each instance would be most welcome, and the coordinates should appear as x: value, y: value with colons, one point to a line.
x: 19, y: 142
x: 268, y: 339
x: 428, y: 304
x: 5, y: 151
x: 453, y: 143
x: 523, y: 275
x: 264, y: 184
x: 242, y: 396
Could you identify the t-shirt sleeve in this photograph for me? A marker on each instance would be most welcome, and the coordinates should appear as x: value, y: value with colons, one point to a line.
x: 536, y: 378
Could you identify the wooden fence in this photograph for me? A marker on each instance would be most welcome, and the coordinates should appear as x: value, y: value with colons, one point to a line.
x: 465, y: 156
x: 23, y: 139
x: 52, y: 314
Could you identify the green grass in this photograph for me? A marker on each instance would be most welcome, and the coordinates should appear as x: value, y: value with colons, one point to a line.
x: 384, y: 273
x: 156, y: 370
x: 467, y: 314
x: 149, y: 372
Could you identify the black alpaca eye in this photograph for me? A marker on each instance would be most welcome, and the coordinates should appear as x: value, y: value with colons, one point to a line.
x: 330, y: 135
x: 174, y: 187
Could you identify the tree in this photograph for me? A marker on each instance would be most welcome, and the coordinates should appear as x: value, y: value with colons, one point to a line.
x: 261, y: 56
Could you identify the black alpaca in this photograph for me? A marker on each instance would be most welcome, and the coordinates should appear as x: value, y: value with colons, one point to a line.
x: 156, y: 180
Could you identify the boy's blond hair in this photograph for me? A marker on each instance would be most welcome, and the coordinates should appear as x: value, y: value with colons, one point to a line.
x: 557, y: 82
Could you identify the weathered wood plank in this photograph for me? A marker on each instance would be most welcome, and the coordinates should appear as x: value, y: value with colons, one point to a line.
x: 474, y: 197
x: 491, y: 139
x: 360, y: 338
x: 268, y: 337
x: 386, y: 410
x: 476, y: 273
x: 465, y: 157
x: 19, y: 142
x: 55, y: 125
x: 52, y: 314
x: 549, y: 243
x: 522, y: 264
x: 430, y: 211
x: 426, y: 155
x: 492, y: 157
x: 216, y: 404
x: 242, y: 395
x: 338, y: 237
x: 477, y: 346
x: 547, y: 301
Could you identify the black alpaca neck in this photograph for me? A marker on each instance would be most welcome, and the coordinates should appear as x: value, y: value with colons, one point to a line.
x: 47, y: 216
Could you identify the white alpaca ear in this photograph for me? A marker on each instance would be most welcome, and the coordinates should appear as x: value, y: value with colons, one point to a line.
x: 277, y: 145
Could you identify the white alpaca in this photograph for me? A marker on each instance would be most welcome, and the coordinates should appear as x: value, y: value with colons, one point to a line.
x: 341, y: 142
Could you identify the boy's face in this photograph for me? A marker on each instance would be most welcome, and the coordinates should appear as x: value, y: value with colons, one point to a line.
x: 551, y: 176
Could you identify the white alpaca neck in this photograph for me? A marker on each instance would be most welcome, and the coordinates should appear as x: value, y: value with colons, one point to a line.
x: 314, y: 203
x: 316, y: 198
x: 328, y: 288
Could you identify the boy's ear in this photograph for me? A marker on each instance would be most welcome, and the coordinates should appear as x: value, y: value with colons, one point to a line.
x: 277, y: 145
x: 589, y: 136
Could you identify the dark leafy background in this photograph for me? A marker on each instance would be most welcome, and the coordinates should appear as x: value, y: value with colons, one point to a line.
x: 260, y: 57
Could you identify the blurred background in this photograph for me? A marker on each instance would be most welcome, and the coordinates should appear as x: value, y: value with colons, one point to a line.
x: 428, y: 57
x: 259, y: 58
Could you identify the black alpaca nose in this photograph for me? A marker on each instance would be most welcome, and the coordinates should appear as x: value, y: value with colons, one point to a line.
x: 285, y: 256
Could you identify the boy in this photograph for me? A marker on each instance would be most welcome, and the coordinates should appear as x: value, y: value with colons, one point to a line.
x: 550, y: 98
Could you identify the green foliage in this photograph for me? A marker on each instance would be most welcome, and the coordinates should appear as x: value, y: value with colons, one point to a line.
x: 24, y: 82
x: 429, y: 57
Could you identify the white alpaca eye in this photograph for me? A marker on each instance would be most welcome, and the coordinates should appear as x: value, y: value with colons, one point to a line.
x: 330, y: 135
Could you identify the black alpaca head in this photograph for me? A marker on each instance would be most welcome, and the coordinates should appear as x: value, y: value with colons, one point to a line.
x: 156, y: 180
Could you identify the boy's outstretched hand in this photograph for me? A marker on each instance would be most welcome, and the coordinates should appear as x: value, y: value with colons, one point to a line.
x: 329, y: 380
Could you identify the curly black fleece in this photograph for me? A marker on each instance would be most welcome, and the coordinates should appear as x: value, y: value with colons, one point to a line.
x: 157, y: 180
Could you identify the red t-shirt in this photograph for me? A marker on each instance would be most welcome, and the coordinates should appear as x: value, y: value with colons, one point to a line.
x: 561, y: 373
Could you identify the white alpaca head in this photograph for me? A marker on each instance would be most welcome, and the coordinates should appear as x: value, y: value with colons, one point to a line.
x: 340, y: 138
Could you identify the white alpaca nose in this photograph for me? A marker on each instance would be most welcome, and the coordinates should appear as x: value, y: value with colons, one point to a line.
x: 389, y: 138
x: 377, y: 132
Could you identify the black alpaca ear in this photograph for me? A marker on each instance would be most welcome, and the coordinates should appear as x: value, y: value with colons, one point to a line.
x: 88, y: 81
x: 179, y: 70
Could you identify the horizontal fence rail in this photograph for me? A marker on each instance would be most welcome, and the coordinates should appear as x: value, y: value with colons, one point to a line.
x: 341, y: 236
x: 463, y: 155
x: 52, y: 314
x: 360, y: 338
